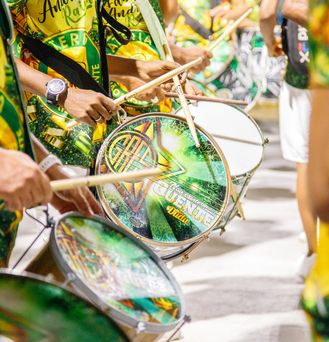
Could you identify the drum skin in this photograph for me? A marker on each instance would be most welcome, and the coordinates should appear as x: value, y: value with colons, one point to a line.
x: 182, y: 204
x: 33, y: 309
x: 117, y: 273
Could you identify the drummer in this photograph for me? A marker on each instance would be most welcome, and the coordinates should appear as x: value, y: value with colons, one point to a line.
x: 22, y: 182
x: 74, y: 32
x: 142, y: 46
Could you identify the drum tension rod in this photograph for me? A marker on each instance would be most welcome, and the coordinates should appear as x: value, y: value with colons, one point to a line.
x: 50, y: 223
x: 186, y: 319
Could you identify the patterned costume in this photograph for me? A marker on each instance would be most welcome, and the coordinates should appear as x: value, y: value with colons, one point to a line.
x: 13, y: 130
x: 140, y: 47
x: 72, y: 29
x: 316, y: 292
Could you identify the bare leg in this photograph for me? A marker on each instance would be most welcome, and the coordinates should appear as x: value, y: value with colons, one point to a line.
x: 308, y: 219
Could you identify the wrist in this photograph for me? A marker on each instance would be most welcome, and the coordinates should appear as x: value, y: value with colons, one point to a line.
x: 50, y: 164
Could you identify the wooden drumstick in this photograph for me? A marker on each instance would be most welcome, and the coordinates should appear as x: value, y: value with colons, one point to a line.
x: 68, y: 184
x: 209, y: 99
x: 229, y: 29
x: 182, y: 98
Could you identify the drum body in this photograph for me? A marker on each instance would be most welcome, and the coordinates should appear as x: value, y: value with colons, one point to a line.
x: 240, y: 139
x: 182, y: 205
x: 119, y: 274
x: 34, y: 309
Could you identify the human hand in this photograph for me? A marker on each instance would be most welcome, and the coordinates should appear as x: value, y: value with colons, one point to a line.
x: 149, y: 95
x: 79, y: 199
x: 275, y: 48
x: 22, y: 184
x: 192, y: 89
x: 149, y: 70
x: 88, y: 106
x: 186, y: 55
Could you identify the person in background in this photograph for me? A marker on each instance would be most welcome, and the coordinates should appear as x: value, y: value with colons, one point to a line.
x: 316, y: 293
x: 295, y: 102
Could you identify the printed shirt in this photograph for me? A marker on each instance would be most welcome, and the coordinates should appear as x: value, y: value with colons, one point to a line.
x: 13, y: 133
x: 319, y: 42
x: 70, y: 27
x: 140, y: 47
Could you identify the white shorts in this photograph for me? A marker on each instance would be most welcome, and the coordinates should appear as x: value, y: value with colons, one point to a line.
x: 295, y: 113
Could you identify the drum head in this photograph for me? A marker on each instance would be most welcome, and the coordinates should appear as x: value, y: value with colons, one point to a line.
x: 32, y: 309
x: 117, y: 272
x: 236, y: 133
x: 182, y: 204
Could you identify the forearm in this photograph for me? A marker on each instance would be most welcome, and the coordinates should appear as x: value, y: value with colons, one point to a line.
x: 120, y: 66
x: 297, y: 11
x: 170, y: 10
x: 268, y: 15
x: 32, y: 80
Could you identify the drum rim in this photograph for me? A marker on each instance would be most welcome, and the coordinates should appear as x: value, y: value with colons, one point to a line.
x: 150, y: 241
x: 254, y: 169
x: 113, y: 313
x: 46, y: 280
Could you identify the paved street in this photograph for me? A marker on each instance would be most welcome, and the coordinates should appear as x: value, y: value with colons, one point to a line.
x: 243, y: 286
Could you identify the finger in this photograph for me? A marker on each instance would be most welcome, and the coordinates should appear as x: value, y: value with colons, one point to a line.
x: 87, y: 119
x: 110, y: 105
x: 167, y: 66
x: 102, y: 111
x: 160, y: 94
x: 209, y: 54
x: 13, y: 204
x: 91, y: 117
x: 93, y: 203
x: 81, y: 203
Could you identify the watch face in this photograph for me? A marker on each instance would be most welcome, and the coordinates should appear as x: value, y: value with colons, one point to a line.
x: 56, y: 86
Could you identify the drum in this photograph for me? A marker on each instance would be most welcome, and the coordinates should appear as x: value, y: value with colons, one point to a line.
x: 35, y: 309
x: 117, y: 273
x: 240, y: 139
x: 222, y: 57
x: 178, y: 208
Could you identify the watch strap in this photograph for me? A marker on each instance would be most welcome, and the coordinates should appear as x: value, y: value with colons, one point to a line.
x: 48, y: 162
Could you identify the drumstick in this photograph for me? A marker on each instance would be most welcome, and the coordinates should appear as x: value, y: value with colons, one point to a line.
x: 229, y: 29
x: 208, y: 99
x: 182, y: 98
x: 67, y: 184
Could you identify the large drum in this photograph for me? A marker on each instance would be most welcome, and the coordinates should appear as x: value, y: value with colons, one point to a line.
x: 240, y: 139
x: 178, y: 208
x: 116, y: 272
x: 35, y: 309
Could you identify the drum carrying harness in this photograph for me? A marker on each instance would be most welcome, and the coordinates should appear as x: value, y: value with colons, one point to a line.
x: 72, y: 70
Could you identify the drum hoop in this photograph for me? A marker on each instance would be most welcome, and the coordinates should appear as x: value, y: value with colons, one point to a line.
x: 225, y: 65
x: 253, y: 170
x: 45, y: 280
x: 150, y: 241
x: 96, y: 300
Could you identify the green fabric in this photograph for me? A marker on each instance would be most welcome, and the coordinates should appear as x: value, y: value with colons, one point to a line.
x: 72, y: 29
x: 319, y: 42
x: 296, y: 79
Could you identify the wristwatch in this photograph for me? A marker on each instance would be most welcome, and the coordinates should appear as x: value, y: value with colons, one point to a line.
x: 55, y: 88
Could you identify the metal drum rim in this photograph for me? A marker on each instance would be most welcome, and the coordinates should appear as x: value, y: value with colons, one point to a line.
x: 150, y: 241
x: 46, y: 280
x: 254, y: 169
x: 113, y: 313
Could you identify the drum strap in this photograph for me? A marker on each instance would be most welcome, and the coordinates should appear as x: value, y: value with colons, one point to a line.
x: 196, y: 25
x: 70, y: 69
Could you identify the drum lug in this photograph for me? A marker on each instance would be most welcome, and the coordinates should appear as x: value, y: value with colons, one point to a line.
x: 185, y: 258
x: 140, y: 327
x: 71, y: 277
x: 266, y: 141
x: 222, y: 231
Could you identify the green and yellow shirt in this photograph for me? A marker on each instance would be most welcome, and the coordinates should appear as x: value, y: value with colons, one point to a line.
x: 70, y: 27
x: 140, y: 47
x: 13, y: 130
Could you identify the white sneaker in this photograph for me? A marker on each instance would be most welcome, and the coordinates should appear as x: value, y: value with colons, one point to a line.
x: 305, y: 266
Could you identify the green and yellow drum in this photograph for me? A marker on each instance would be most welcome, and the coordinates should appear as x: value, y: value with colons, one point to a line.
x: 35, y: 309
x: 183, y: 205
